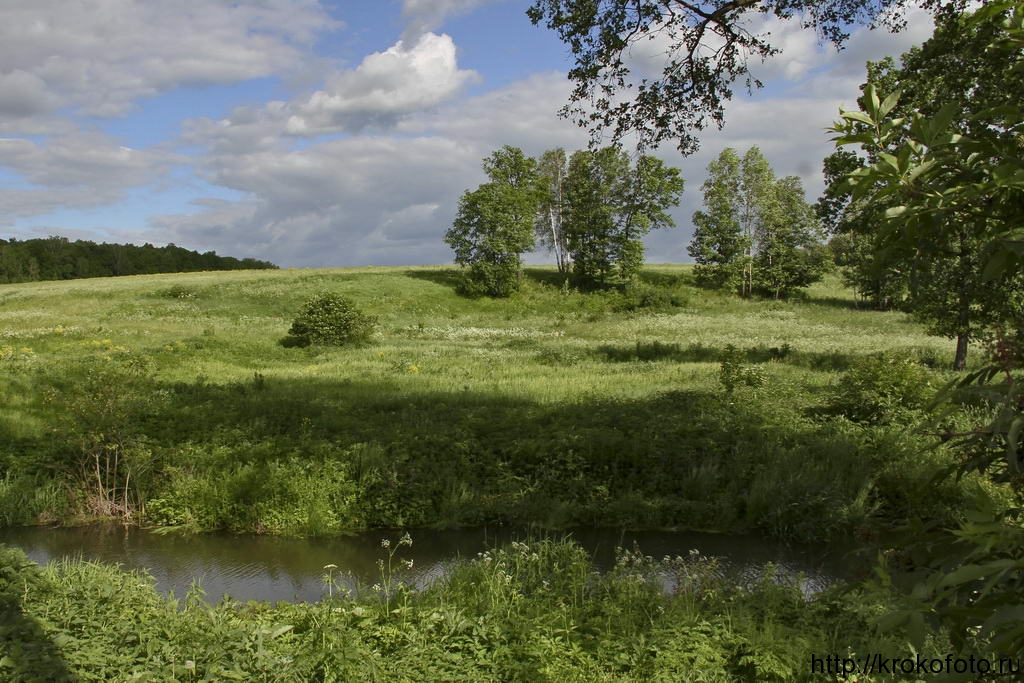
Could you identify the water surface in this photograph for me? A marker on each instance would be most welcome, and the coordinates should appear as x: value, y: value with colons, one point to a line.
x: 254, y: 567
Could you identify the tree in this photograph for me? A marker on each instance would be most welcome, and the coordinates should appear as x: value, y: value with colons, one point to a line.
x: 789, y: 254
x: 853, y: 225
x: 609, y: 207
x: 756, y: 182
x: 939, y: 175
x: 495, y: 222
x: 707, y: 43
x: 718, y: 245
x: 757, y: 233
x: 552, y: 171
x: 949, y: 288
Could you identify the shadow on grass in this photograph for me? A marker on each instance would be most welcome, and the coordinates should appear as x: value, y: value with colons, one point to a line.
x: 549, y: 276
x: 448, y: 277
x: 27, y: 653
x: 838, y: 302
x: 699, y: 353
x: 428, y: 458
x: 667, y: 280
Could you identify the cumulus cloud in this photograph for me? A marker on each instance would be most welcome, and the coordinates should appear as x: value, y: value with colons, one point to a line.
x: 349, y: 201
x: 102, y: 55
x: 75, y: 170
x: 523, y: 113
x: 388, y: 197
x: 405, y: 78
x: 384, y: 89
x: 427, y: 15
x: 19, y: 203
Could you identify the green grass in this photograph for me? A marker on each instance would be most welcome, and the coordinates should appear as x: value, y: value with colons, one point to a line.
x: 553, y: 407
x: 531, y: 612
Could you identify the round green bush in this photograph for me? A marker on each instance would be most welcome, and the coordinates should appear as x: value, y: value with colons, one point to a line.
x: 881, y: 390
x: 330, y: 320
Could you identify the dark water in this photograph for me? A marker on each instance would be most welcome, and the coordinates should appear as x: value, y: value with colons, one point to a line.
x: 251, y: 567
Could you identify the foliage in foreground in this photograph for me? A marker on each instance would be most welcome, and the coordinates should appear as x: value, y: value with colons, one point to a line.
x: 532, y: 612
x: 959, y: 177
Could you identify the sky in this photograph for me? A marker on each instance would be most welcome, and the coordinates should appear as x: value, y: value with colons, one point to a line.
x: 317, y: 133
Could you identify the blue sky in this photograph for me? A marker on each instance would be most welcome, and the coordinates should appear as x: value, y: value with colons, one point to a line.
x: 330, y: 132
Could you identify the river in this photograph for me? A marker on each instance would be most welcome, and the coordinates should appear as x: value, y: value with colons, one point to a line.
x: 273, y: 568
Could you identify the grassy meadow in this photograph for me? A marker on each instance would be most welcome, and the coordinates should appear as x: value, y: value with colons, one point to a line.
x: 169, y: 399
x: 170, y: 402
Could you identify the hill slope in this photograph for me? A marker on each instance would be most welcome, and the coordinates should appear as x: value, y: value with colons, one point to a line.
x: 171, y: 395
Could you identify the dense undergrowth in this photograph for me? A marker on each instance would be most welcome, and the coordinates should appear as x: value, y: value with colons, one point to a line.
x: 168, y: 400
x: 534, y: 611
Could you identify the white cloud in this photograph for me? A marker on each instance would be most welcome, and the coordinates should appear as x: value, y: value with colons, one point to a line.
x: 81, y: 159
x: 350, y: 201
x: 386, y: 86
x: 364, y: 199
x: 18, y: 203
x: 102, y: 55
x: 75, y: 170
x: 427, y: 15
x: 523, y: 113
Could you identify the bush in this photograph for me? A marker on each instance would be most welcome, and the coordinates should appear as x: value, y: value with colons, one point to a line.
x: 734, y: 371
x: 330, y: 320
x: 637, y: 297
x: 490, y: 279
x: 881, y: 390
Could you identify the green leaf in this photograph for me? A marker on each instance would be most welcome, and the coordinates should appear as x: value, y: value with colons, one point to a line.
x: 973, y: 572
x: 890, y: 160
x: 276, y: 633
x: 920, y: 169
x: 889, y: 103
x: 871, y: 100
x: 858, y: 116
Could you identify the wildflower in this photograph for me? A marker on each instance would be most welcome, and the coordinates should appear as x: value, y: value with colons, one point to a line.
x: 330, y: 566
x: 407, y: 563
x: 385, y: 543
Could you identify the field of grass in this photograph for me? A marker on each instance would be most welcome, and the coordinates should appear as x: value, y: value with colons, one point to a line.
x: 170, y: 399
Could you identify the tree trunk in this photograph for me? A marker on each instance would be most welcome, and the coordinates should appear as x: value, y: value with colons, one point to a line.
x: 960, y: 360
x: 964, y: 314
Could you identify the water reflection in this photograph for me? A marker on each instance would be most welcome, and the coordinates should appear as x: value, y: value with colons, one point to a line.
x: 251, y: 567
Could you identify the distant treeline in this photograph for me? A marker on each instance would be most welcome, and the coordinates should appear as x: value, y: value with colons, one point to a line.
x: 57, y: 258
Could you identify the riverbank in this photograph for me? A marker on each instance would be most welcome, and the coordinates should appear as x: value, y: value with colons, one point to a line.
x: 533, y: 612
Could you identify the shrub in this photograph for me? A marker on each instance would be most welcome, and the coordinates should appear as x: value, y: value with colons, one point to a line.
x: 880, y: 390
x: 637, y: 297
x: 734, y: 371
x: 330, y: 320
x: 490, y: 279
